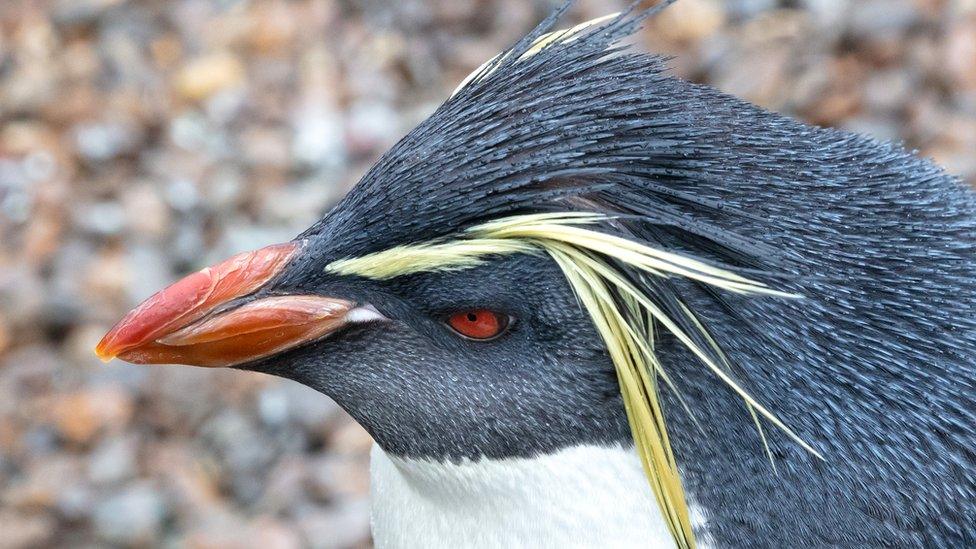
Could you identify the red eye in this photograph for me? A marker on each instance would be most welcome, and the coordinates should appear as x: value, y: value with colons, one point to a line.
x: 478, y: 323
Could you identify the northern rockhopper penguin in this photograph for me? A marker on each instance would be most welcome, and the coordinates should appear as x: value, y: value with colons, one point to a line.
x: 587, y: 304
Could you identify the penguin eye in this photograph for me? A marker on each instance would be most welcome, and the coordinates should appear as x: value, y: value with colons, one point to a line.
x: 479, y: 324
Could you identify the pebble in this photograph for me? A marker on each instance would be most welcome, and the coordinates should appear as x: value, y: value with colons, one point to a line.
x: 827, y: 13
x: 43, y: 482
x: 182, y: 194
x: 691, y: 20
x: 741, y: 9
x: 887, y: 91
x: 264, y: 532
x: 263, y: 147
x: 318, y: 137
x: 960, y: 52
x: 74, y: 12
x: 114, y: 460
x: 81, y: 415
x: 100, y: 142
x: 245, y: 451
x: 202, y: 77
x: 131, y: 517
x: 335, y: 476
x: 340, y: 527
x: 101, y: 218
x: 145, y: 210
x: 5, y: 337
x: 370, y: 124
x: 75, y: 502
x: 24, y: 531
x: 879, y: 18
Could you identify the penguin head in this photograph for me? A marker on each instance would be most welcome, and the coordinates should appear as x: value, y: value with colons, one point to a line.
x: 504, y: 281
x: 493, y: 358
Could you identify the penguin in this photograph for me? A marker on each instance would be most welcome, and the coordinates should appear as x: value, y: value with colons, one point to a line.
x: 589, y: 304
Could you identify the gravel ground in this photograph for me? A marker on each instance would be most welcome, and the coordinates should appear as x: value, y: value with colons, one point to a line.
x: 141, y: 140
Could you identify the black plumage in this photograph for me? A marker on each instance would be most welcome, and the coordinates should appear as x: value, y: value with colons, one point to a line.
x: 875, y: 366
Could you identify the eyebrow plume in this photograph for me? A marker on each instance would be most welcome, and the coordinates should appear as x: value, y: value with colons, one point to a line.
x: 612, y: 277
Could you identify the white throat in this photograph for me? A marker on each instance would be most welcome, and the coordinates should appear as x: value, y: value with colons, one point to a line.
x: 585, y: 496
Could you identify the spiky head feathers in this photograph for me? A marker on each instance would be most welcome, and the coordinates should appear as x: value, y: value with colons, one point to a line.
x: 578, y: 124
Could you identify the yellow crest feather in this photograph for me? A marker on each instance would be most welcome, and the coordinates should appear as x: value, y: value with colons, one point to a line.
x: 625, y: 323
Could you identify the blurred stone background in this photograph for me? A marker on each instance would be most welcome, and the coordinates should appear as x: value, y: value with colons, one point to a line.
x: 140, y: 140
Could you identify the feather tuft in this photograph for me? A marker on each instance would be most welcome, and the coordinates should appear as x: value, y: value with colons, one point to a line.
x: 612, y: 277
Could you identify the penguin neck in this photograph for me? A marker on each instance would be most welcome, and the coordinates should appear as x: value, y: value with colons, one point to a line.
x: 579, y: 496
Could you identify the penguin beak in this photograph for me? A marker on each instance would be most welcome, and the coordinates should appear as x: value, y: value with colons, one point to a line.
x: 202, y: 319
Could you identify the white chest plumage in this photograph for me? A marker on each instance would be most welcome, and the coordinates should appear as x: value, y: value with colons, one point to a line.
x: 585, y: 496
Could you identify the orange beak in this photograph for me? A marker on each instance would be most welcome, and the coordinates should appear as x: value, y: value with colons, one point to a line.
x: 190, y: 322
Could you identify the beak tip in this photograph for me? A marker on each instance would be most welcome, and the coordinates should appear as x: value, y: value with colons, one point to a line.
x: 103, y: 352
